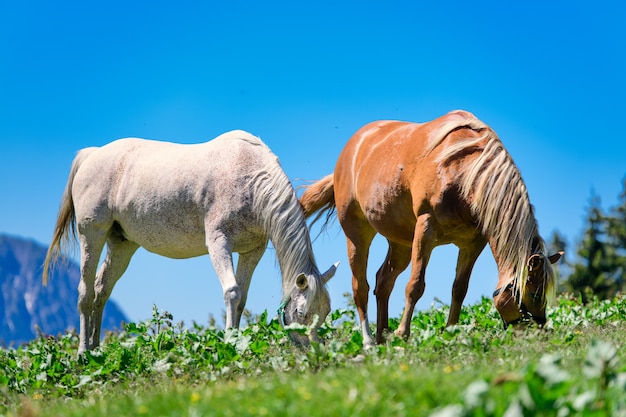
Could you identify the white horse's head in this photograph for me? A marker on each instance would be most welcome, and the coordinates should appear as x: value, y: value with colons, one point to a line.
x: 307, y: 303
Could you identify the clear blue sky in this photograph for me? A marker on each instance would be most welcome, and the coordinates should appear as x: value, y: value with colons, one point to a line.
x: 549, y: 77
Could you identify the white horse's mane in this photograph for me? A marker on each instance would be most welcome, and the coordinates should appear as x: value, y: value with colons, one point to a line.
x: 277, y: 205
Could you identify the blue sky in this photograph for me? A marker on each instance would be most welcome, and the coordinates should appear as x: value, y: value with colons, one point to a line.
x: 549, y: 77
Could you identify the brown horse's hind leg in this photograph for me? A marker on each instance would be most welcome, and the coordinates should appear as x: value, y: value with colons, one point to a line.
x: 398, y: 258
x: 465, y: 264
x: 423, y: 243
x: 359, y: 236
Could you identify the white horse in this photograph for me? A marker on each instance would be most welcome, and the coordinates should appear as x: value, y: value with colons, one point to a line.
x: 180, y: 201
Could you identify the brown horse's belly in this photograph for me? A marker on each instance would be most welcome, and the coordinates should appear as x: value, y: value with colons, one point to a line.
x: 393, y: 218
x: 403, y: 236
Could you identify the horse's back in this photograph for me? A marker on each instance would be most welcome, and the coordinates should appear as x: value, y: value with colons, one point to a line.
x: 144, y: 166
x: 153, y: 189
x: 377, y: 157
x: 388, y: 172
x: 370, y: 183
x: 376, y: 140
x: 387, y: 152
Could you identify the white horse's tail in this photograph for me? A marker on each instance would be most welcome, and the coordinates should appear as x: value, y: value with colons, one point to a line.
x: 65, y: 229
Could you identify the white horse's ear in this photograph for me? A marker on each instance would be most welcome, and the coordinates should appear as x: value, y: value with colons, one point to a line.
x: 302, y: 282
x: 330, y: 273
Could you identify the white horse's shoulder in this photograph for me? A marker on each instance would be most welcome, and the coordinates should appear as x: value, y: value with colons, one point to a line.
x: 236, y: 134
x: 82, y: 154
x: 240, y: 135
x: 133, y: 142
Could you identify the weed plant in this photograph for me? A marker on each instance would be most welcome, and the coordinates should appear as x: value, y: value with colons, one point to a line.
x: 574, y: 366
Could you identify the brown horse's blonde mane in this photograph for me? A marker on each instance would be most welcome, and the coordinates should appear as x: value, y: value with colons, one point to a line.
x: 498, y: 197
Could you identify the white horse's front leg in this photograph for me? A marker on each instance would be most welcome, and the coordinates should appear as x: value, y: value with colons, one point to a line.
x: 222, y: 259
x: 246, y: 265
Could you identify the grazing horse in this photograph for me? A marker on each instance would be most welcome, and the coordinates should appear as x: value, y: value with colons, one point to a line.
x: 180, y: 201
x: 423, y: 185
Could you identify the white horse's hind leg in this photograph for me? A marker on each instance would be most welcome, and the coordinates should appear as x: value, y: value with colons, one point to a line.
x: 245, y: 267
x: 119, y: 252
x: 91, y: 244
x: 222, y: 259
x: 94, y: 289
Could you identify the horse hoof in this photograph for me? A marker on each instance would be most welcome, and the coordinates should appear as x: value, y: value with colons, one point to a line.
x: 368, y: 344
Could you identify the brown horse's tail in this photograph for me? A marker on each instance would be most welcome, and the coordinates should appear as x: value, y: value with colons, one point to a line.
x: 319, y: 197
x: 65, y: 229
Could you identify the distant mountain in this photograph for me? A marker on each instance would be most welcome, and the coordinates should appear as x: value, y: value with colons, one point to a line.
x: 26, y: 305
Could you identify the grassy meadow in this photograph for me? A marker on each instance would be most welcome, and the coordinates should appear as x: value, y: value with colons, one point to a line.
x: 576, y: 366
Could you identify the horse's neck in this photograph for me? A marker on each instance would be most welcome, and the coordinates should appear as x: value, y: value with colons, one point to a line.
x: 277, y: 206
x: 286, y: 228
x: 512, y: 259
x: 290, y: 238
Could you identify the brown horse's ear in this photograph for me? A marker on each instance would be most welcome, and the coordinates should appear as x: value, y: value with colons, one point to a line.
x: 535, y: 262
x: 302, y: 282
x: 554, y: 258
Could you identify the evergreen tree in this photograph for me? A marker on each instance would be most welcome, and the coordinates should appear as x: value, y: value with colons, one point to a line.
x: 616, y: 234
x: 597, y: 271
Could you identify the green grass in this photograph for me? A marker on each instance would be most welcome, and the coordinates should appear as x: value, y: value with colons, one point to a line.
x: 576, y: 366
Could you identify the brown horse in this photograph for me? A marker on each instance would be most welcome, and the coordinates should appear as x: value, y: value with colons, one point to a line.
x: 423, y: 185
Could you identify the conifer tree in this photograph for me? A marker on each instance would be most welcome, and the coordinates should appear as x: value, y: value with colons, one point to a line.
x: 616, y: 235
x: 596, y: 271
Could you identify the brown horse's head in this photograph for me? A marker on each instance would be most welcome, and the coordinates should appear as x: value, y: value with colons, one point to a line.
x: 525, y: 301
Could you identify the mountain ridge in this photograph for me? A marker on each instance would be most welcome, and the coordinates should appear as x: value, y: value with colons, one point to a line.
x: 27, y: 308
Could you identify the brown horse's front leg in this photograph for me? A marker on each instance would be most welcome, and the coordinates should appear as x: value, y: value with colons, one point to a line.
x: 398, y: 258
x: 465, y: 264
